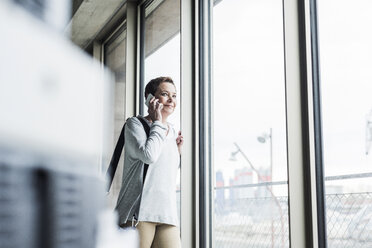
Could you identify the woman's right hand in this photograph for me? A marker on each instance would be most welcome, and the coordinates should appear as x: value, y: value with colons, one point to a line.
x: 154, y: 110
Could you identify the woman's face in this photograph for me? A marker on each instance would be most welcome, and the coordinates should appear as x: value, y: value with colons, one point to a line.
x: 167, y: 95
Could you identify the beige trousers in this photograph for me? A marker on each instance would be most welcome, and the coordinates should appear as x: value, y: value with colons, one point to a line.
x: 157, y: 235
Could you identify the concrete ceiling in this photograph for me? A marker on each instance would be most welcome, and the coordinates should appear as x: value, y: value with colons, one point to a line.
x: 161, y: 25
x: 90, y: 18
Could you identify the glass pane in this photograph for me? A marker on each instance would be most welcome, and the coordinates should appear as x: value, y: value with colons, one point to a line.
x: 114, y: 58
x: 250, y: 163
x: 162, y: 49
x: 162, y: 46
x: 345, y: 39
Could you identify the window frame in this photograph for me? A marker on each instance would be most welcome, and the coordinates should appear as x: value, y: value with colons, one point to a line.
x: 302, y: 115
x: 303, y: 189
x: 317, y: 133
x: 189, y: 113
x: 206, y: 172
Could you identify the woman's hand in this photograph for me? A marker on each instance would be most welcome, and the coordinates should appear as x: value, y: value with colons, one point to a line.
x: 154, y: 110
x: 179, y: 142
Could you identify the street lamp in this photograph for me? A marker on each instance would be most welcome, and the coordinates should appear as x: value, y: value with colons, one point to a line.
x: 260, y: 178
x: 262, y: 139
x: 233, y: 156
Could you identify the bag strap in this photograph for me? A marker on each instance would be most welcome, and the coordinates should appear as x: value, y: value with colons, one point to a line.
x: 147, y: 130
x: 117, y: 153
x: 115, y: 158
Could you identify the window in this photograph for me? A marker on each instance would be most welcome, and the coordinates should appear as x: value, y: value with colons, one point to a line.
x: 161, y: 47
x: 115, y: 59
x: 249, y: 129
x: 160, y: 53
x: 346, y: 84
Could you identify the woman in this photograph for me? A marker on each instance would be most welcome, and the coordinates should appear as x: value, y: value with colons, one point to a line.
x: 156, y: 216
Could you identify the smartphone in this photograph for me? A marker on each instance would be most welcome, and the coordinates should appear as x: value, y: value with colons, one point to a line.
x: 149, y: 97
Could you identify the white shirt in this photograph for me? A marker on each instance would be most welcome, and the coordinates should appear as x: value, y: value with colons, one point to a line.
x: 158, y: 202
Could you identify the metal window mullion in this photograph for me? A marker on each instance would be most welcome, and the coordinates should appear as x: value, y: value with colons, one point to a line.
x: 304, y: 43
x: 205, y: 187
x: 131, y: 60
x: 189, y: 124
x: 297, y: 114
x: 141, y: 87
x: 318, y: 143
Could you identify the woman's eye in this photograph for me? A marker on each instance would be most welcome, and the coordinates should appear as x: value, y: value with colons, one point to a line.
x: 174, y: 96
x: 164, y: 94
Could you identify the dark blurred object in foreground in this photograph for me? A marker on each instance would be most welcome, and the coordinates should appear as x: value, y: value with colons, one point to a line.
x: 47, y: 206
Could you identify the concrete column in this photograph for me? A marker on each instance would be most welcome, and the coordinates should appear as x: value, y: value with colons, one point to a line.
x: 131, y: 107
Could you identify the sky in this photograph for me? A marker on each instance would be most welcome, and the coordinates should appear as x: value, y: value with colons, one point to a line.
x: 249, y: 85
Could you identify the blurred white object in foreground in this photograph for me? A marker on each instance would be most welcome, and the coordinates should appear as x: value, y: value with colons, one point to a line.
x: 110, y: 236
x: 51, y: 93
x: 52, y: 114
